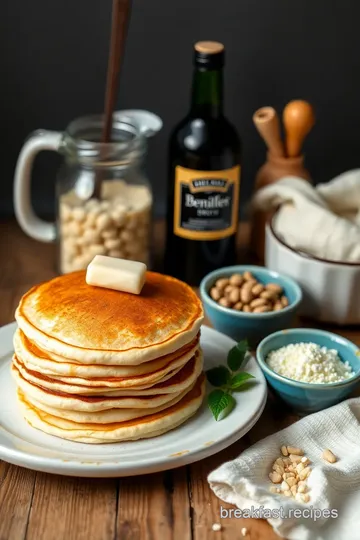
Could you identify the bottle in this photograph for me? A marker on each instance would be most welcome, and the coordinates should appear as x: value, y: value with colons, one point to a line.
x: 204, y: 177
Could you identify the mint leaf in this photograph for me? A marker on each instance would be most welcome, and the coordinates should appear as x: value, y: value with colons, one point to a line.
x: 218, y: 376
x: 220, y: 403
x: 237, y: 355
x: 239, y: 379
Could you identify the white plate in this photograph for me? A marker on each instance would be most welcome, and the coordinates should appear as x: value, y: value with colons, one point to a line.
x: 198, y: 438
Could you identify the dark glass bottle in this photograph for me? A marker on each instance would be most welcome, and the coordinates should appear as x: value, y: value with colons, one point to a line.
x: 204, y: 177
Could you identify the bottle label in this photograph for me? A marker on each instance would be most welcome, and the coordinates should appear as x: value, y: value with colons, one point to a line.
x: 206, y: 203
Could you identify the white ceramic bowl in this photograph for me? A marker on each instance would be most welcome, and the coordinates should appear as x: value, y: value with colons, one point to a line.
x: 331, y: 289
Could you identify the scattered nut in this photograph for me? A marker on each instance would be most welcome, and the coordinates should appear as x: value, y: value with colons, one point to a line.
x: 275, y: 477
x: 216, y: 527
x: 243, y: 531
x: 304, y: 473
x: 295, y: 451
x: 328, y: 456
x: 295, y: 459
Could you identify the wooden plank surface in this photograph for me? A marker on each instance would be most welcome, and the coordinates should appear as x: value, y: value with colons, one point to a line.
x: 174, y: 505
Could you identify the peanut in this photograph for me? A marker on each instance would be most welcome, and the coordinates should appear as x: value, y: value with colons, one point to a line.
x: 240, y: 290
x: 236, y: 279
x: 284, y: 451
x: 285, y: 486
x: 258, y: 302
x: 228, y: 290
x: 295, y: 451
x: 304, y: 473
x: 257, y: 289
x: 262, y: 309
x: 328, y: 456
x: 295, y: 459
x: 245, y: 294
x: 224, y: 302
x: 221, y: 283
x: 292, y: 481
x: 215, y: 294
x: 234, y: 296
x: 275, y: 478
x: 274, y: 287
x: 284, y: 301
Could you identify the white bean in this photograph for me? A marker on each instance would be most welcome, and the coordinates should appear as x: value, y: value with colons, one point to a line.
x: 112, y: 243
x: 78, y: 213
x: 116, y: 253
x: 96, y: 249
x: 65, y: 212
x: 103, y: 221
x: 74, y: 228
x: 109, y: 233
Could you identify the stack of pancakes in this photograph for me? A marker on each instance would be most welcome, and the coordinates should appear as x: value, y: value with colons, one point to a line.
x: 96, y: 365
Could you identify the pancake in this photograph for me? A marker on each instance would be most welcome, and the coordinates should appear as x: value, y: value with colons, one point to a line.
x: 87, y: 403
x: 54, y: 365
x: 102, y: 417
x: 140, y: 428
x: 92, y: 325
x: 170, y: 383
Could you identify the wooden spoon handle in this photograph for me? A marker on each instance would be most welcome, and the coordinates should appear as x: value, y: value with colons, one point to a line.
x: 298, y: 119
x: 266, y: 122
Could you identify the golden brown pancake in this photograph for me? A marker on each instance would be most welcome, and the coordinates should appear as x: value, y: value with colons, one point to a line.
x: 38, y: 360
x: 169, y: 383
x: 94, y: 325
x: 145, y: 427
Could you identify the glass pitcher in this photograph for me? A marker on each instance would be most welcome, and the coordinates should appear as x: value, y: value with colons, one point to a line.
x: 103, y: 196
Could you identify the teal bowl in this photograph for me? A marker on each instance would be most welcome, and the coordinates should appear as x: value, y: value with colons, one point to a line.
x: 251, y: 326
x: 308, y: 397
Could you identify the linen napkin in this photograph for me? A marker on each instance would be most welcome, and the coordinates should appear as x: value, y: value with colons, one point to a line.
x: 334, y: 488
x: 323, y: 221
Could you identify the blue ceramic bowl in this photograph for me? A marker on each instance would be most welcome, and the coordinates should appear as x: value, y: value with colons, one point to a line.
x: 250, y: 326
x: 307, y: 397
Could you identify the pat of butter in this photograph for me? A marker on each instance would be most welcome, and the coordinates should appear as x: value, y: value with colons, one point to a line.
x: 117, y: 274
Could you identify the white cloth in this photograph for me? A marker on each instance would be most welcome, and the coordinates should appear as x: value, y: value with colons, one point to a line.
x: 244, y: 482
x: 323, y: 221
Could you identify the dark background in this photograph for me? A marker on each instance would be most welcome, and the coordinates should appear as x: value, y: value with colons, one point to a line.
x: 53, y: 59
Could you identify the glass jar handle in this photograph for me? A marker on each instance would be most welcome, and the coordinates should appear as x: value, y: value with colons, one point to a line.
x: 28, y: 221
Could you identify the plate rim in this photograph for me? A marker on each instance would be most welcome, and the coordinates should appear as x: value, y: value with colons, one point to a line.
x: 93, y: 469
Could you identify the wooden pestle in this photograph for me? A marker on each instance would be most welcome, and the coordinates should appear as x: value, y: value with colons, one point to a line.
x: 298, y: 119
x: 266, y: 122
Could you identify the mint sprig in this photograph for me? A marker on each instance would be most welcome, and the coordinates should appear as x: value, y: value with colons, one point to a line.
x: 228, y: 379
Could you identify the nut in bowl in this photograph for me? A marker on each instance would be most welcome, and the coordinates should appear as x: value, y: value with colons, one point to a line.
x: 324, y: 357
x: 249, y: 302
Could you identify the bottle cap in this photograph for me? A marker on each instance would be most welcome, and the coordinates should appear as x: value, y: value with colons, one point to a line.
x: 209, y: 54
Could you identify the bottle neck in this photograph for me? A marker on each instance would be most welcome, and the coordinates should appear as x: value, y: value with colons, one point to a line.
x: 207, y: 93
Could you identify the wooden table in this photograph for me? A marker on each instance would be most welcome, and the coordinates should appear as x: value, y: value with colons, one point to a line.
x: 174, y: 505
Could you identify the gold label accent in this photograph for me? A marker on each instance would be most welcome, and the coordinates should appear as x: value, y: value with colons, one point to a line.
x: 206, y: 203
